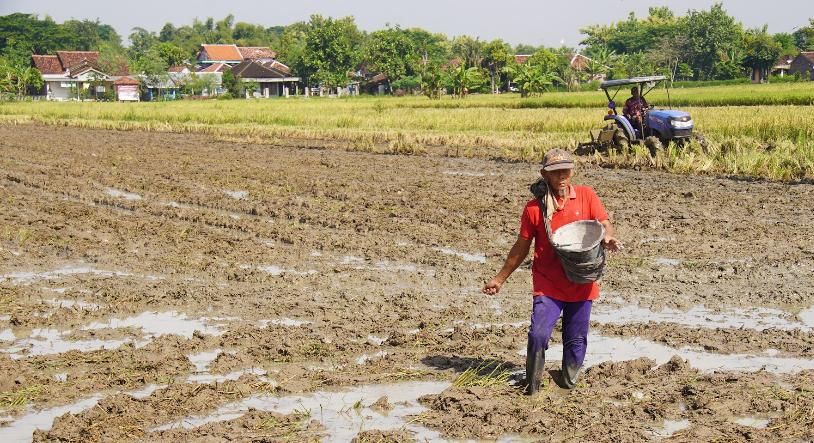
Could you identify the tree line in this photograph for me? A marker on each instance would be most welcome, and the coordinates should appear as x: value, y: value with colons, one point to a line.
x: 699, y: 45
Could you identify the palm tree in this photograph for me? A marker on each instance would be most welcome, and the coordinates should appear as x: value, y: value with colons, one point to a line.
x: 462, y: 79
x: 23, y: 77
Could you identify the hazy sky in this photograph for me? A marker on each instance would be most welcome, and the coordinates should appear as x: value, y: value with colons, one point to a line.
x: 528, y: 21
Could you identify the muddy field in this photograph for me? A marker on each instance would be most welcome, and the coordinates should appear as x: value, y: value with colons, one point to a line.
x: 168, y: 287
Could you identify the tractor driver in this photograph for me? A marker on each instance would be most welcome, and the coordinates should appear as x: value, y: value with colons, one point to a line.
x: 635, y: 107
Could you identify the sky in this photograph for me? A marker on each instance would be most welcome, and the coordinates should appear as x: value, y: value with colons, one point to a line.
x: 535, y: 22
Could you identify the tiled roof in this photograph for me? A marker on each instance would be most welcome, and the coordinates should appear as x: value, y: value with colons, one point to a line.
x: 521, y: 58
x: 126, y: 81
x: 256, y: 52
x: 215, y: 67
x: 71, y: 58
x: 378, y: 78
x: 258, y: 69
x: 47, y: 64
x: 228, y: 53
x: 176, y: 68
x: 808, y: 55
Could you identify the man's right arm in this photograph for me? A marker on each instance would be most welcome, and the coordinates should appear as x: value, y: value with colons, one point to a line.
x: 517, y: 254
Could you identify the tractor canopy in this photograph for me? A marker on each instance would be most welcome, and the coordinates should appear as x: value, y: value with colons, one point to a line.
x: 607, y: 84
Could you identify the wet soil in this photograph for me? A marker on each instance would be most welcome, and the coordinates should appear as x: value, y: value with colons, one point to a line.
x: 315, y: 268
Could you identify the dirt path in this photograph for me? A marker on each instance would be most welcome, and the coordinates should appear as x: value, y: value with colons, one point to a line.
x: 289, y: 271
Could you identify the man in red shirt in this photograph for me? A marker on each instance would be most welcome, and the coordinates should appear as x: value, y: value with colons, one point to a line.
x: 553, y: 292
x: 634, y: 108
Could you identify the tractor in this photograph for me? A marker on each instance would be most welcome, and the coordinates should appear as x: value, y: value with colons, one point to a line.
x: 656, y: 129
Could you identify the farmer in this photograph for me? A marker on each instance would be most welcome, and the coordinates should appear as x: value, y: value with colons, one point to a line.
x: 635, y: 107
x: 553, y: 292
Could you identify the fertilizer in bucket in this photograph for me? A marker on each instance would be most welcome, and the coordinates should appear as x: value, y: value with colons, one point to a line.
x: 579, y: 248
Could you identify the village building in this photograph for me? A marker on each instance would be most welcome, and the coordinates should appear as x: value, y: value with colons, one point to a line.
x: 782, y: 65
x: 232, y: 54
x: 72, y: 75
x: 273, y: 78
x: 127, y: 89
x: 803, y: 65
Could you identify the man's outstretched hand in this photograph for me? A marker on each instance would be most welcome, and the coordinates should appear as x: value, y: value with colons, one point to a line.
x: 612, y: 244
x: 492, y: 287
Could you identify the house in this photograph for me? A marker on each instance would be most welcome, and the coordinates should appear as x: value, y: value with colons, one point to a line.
x: 521, y: 59
x: 273, y: 78
x: 127, y: 89
x: 782, y: 65
x: 233, y: 54
x: 72, y: 75
x: 803, y: 65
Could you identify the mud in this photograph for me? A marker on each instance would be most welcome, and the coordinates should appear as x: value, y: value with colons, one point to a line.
x: 174, y: 261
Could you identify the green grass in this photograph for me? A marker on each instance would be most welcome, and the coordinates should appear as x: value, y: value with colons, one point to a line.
x: 773, y: 140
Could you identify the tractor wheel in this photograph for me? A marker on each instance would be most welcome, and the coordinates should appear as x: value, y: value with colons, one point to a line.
x: 620, y: 141
x: 653, y: 144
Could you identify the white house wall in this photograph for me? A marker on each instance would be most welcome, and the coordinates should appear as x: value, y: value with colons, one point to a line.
x: 57, y: 92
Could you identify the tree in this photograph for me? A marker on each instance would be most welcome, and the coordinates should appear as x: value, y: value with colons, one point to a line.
x: 390, y: 52
x: 463, y: 80
x: 170, y: 53
x: 141, y: 40
x: 112, y: 59
x: 432, y: 79
x: 230, y: 83
x: 804, y: 36
x: 496, y: 56
x: 762, y: 51
x: 531, y: 79
x: 18, y: 79
x: 468, y: 50
x: 711, y: 36
x: 331, y: 50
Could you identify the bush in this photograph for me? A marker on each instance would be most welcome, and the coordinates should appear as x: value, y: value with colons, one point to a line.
x: 226, y: 96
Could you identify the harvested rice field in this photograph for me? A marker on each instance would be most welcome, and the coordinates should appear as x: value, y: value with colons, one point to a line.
x: 157, y: 286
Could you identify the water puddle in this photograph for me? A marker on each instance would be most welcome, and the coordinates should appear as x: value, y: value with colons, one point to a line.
x: 364, y: 358
x: 343, y: 414
x: 290, y: 322
x: 237, y: 195
x: 118, y: 193
x: 52, y: 341
x: 155, y: 324
x: 202, y: 360
x: 478, y: 258
x: 177, y: 205
x: 662, y: 261
x: 218, y: 378
x: 376, y: 341
x: 7, y: 335
x: 670, y: 427
x: 807, y: 316
x: 602, y: 349
x: 22, y: 429
x: 65, y: 303
x: 752, y: 422
x: 277, y: 271
x: 29, y: 277
x: 700, y: 316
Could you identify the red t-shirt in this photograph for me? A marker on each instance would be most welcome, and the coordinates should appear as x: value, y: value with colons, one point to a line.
x: 548, y: 276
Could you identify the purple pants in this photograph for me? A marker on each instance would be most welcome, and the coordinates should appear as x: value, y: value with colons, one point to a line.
x: 576, y: 317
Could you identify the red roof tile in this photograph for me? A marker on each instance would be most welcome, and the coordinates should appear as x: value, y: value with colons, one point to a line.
x: 521, y: 58
x: 228, y: 53
x: 176, y: 68
x: 215, y: 67
x: 126, y: 81
x: 808, y: 55
x: 47, y: 64
x: 256, y: 52
x: 71, y: 58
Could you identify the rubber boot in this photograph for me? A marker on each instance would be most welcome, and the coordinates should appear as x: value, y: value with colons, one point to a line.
x: 534, y: 371
x: 569, y: 376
